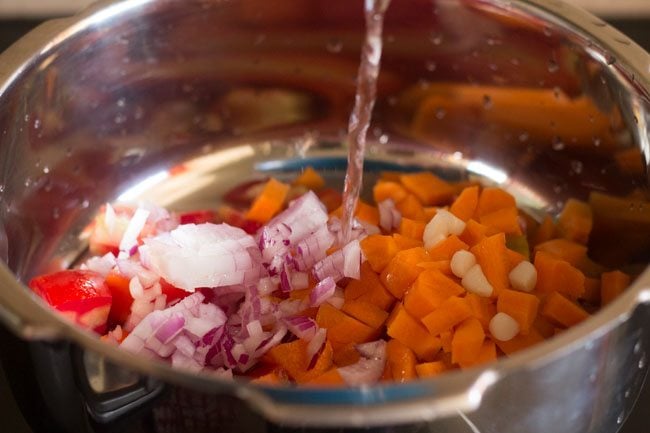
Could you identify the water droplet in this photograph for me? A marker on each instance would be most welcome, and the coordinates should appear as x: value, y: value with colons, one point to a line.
x: 547, y: 31
x: 85, y: 204
x: 48, y: 186
x: 2, y: 188
x: 597, y: 141
x: 557, y: 92
x: 642, y: 362
x: 627, y: 393
x: 557, y: 143
x: 431, y: 66
x: 514, y: 61
x: 493, y: 67
x: 593, y: 376
x: 487, y: 102
x: 121, y: 102
x: 457, y: 155
x: 334, y: 45
x: 622, y: 40
x: 383, y: 138
x: 493, y: 41
x: 610, y: 60
x: 523, y: 137
x: 26, y: 118
x: 119, y: 119
x: 37, y: 123
x: 56, y: 213
x: 576, y: 166
x: 436, y: 39
x: 552, y: 66
x: 424, y: 84
x: 441, y: 113
x: 620, y: 418
x: 46, y: 169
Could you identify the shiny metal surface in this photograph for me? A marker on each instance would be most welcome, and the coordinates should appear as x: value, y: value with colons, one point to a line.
x: 177, y: 101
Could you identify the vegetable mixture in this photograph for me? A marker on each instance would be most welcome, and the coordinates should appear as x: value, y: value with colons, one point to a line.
x: 437, y: 276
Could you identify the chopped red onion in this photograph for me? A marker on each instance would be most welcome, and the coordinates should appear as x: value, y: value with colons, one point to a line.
x: 102, y: 265
x: 301, y: 326
x: 314, y: 248
x: 267, y: 285
x: 363, y: 372
x: 315, y: 345
x: 337, y: 299
x: 136, y: 224
x: 170, y: 328
x: 373, y: 349
x: 345, y: 262
x: 182, y: 361
x: 322, y: 291
x: 185, y: 345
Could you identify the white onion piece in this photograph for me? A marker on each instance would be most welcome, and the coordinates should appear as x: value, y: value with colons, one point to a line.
x: 389, y: 217
x: 523, y: 276
x: 363, y: 372
x: 136, y: 224
x: 503, y: 327
x: 204, y: 255
x: 102, y: 265
x: 475, y: 282
x: 443, y: 224
x: 461, y: 262
x: 373, y: 349
x: 322, y: 291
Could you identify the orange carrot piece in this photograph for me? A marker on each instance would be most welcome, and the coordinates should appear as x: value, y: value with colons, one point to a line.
x: 410, y: 332
x: 330, y: 197
x: 445, y: 340
x: 491, y: 255
x: 429, y: 188
x: 592, y: 291
x: 464, y: 207
x: 612, y: 284
x: 388, y: 190
x: 520, y: 342
x: 367, y: 213
x: 411, y: 208
x: 493, y: 199
x: 443, y: 266
x: 291, y: 357
x: 429, y: 212
x: 544, y: 232
x: 330, y: 378
x: 341, y: 328
x: 520, y: 306
x: 271, y: 378
x: 323, y: 363
x: 268, y: 202
x: 504, y: 220
x: 365, y: 312
x: 402, y: 270
x: 474, y: 232
x: 449, y: 314
x: 514, y: 258
x: 467, y: 342
x: 575, y: 221
x: 429, y: 291
x: 309, y: 178
x: 564, y: 249
x: 558, y: 275
x: 563, y: 311
x: 346, y: 355
x: 401, y: 361
x: 445, y: 249
x: 379, y: 250
x: 486, y: 354
x: 543, y: 326
x: 482, y: 308
x: 404, y: 243
x: 411, y: 228
x: 430, y: 369
x: 368, y: 288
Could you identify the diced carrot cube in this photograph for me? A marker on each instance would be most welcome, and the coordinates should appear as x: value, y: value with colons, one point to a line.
x: 443, y: 266
x: 491, y: 254
x: 330, y: 197
x: 429, y: 291
x: 369, y: 288
x: 564, y: 249
x: 323, y: 363
x: 430, y: 369
x: 330, y: 378
x: 411, y: 208
x: 309, y: 178
x: 558, y: 275
x: 464, y: 207
x: 410, y: 332
x: 474, y: 232
x: 514, y: 257
x: 402, y: 270
x: 445, y: 340
x: 562, y: 310
x: 486, y: 354
x: 520, y: 306
x: 543, y: 326
x: 493, y: 199
x: 379, y: 250
x: 545, y: 231
x: 445, y: 249
x: 592, y: 291
x: 504, y: 220
x: 411, y: 228
x: 268, y: 202
x: 271, y: 378
x: 385, y: 190
x: 404, y: 243
x: 429, y: 189
x: 467, y: 342
x: 482, y: 308
x: 346, y: 355
x: 291, y: 357
x: 429, y: 212
x: 341, y: 328
x: 401, y: 361
x: 520, y: 342
x: 365, y: 312
x: 367, y: 213
x: 575, y: 221
x: 449, y: 314
x: 612, y: 284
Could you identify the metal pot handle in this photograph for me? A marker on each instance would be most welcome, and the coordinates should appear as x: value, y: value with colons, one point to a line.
x: 392, y: 404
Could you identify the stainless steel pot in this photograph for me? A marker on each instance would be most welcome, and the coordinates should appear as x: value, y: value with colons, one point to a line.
x: 177, y: 101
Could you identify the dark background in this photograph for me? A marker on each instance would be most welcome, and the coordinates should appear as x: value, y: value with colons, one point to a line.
x: 11, y: 419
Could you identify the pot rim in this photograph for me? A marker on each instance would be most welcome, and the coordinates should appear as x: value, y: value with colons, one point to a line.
x: 379, y: 404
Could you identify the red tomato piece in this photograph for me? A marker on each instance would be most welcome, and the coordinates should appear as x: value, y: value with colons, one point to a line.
x: 122, y: 300
x: 198, y: 217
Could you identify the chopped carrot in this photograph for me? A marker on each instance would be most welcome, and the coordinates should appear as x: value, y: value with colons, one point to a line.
x: 390, y: 176
x: 410, y: 332
x: 482, y: 308
x: 379, y: 250
x: 268, y: 202
x: 544, y: 232
x: 520, y: 306
x: 558, y: 275
x: 445, y: 249
x: 464, y: 207
x: 429, y: 212
x: 504, y: 220
x: 575, y: 221
x: 491, y: 255
x: 474, y: 232
x: 367, y: 213
x: 443, y: 266
x: 543, y: 326
x: 430, y: 369
x: 309, y: 178
x: 271, y: 378
x: 430, y: 289
x: 450, y: 313
x: 562, y: 310
x: 365, y: 312
x: 300, y: 294
x: 291, y: 357
x: 467, y: 342
x: 368, y: 288
x: 411, y: 228
x: 404, y: 243
x: 564, y: 249
x: 492, y: 199
x: 445, y: 340
x: 401, y: 361
x: 486, y: 354
x: 331, y: 198
x: 514, y: 257
x: 592, y: 291
x: 343, y: 329
x: 330, y: 378
x: 402, y: 270
x: 411, y: 208
x: 346, y: 354
x: 520, y: 342
x: 612, y: 284
x: 429, y: 188
x: 323, y: 364
x: 389, y: 190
